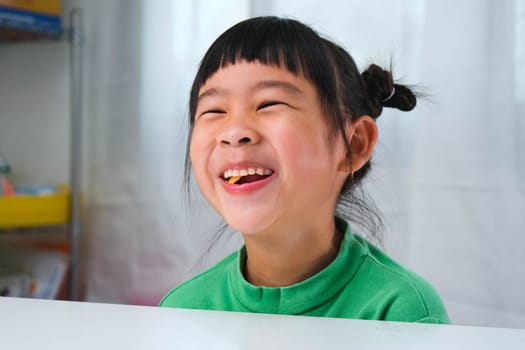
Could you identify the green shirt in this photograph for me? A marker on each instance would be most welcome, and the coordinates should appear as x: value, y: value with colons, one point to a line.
x: 362, y: 282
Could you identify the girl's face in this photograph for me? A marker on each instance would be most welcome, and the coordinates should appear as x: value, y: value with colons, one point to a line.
x: 266, y: 125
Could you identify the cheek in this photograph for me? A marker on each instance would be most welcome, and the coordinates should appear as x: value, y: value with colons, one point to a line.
x: 309, y: 158
x: 193, y: 150
x: 199, y: 154
x: 305, y: 147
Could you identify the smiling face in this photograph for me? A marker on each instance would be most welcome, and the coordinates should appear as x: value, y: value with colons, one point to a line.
x: 265, y: 125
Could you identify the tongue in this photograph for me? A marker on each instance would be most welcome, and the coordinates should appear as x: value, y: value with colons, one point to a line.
x: 250, y: 178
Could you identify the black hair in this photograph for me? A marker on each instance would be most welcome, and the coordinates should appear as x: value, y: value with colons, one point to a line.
x: 345, y: 94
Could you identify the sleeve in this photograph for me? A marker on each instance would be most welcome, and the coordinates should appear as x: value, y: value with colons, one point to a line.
x: 418, y: 303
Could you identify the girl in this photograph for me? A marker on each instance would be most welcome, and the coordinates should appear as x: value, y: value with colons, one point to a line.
x: 282, y: 128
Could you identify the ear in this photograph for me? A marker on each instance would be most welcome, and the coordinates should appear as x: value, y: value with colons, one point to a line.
x: 362, y: 135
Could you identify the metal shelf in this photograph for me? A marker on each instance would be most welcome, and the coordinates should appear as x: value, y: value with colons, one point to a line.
x: 74, y: 37
x: 37, y: 230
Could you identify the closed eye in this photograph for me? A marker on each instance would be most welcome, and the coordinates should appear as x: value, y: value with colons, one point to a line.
x: 270, y: 104
x: 212, y: 111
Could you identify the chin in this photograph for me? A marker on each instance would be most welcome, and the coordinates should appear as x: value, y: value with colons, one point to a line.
x: 247, y: 224
x: 249, y: 217
x: 246, y: 227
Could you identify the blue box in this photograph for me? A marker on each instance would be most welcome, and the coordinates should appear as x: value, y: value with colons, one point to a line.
x: 32, y: 22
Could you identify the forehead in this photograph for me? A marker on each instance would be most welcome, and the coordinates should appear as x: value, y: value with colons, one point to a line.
x: 256, y: 75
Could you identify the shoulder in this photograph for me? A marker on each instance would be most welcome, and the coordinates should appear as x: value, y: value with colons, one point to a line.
x: 404, y: 295
x: 196, y: 292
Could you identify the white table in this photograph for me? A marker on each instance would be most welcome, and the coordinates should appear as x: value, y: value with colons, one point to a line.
x: 43, y: 324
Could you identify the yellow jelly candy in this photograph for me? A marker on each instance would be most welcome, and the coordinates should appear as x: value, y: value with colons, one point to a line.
x: 234, y: 179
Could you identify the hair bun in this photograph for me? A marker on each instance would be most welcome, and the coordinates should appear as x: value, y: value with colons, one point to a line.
x: 382, y: 92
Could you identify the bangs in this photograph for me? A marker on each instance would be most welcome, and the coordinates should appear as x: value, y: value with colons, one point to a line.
x: 272, y: 41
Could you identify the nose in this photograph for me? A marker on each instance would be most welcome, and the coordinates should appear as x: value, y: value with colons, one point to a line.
x: 238, y: 133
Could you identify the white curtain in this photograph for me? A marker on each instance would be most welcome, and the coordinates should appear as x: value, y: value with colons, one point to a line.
x: 448, y: 177
x: 467, y: 191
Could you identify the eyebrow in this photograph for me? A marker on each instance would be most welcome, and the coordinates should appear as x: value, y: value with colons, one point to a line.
x: 260, y: 85
x: 209, y: 93
x: 266, y: 84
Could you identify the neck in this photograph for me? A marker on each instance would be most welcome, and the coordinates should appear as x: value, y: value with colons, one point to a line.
x: 291, y: 257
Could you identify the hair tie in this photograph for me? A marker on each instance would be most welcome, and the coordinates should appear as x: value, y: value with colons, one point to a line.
x: 391, y: 94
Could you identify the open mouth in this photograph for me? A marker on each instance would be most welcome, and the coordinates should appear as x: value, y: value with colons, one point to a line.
x: 244, y: 176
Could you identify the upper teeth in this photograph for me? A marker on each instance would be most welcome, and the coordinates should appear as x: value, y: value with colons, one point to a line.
x: 244, y: 172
